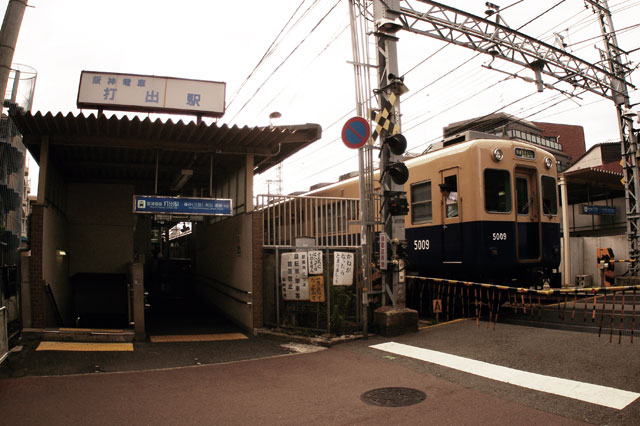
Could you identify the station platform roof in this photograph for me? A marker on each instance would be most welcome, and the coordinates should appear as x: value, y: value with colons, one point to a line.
x: 592, y: 184
x: 100, y: 148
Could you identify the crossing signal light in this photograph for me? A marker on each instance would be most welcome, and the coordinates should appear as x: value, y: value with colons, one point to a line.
x: 398, y: 206
x: 397, y: 143
x: 399, y: 173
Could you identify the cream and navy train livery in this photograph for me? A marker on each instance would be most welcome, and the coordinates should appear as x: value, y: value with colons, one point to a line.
x: 498, y: 221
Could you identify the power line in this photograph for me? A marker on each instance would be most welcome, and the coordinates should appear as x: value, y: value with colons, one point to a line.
x: 477, y: 120
x: 285, y: 60
x: 315, y: 58
x: 541, y: 15
x: 441, y: 78
x: 266, y: 54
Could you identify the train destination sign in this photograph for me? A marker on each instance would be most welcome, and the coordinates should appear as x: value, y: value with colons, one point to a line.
x: 146, y: 93
x: 356, y: 132
x: 529, y: 154
x: 182, y: 205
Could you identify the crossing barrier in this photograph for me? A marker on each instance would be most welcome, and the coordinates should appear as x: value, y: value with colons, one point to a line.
x: 436, y: 297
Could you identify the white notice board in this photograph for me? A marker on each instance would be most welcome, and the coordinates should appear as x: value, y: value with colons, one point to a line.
x: 343, y: 268
x: 294, y: 276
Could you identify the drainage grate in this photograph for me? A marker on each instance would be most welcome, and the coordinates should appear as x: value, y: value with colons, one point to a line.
x: 393, y: 397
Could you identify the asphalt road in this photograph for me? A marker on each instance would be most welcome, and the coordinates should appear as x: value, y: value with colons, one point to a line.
x: 273, y: 386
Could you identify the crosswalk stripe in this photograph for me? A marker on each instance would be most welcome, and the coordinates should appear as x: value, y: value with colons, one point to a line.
x: 594, y: 394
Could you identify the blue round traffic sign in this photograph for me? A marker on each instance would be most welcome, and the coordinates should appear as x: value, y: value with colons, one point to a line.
x: 356, y: 132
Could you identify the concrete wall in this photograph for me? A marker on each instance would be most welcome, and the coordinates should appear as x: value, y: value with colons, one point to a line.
x: 224, y: 264
x: 101, y: 228
x: 584, y: 256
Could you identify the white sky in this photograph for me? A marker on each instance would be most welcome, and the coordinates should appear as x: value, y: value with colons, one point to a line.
x: 223, y: 41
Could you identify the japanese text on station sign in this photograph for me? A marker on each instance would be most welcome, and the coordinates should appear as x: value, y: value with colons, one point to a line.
x: 143, y: 92
x: 182, y: 205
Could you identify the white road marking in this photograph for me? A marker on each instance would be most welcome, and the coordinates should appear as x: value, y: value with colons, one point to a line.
x: 594, y: 394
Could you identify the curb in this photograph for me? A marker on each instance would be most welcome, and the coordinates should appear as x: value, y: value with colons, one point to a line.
x: 324, y: 341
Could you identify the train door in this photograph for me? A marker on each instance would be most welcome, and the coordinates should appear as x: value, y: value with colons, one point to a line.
x: 527, y: 215
x: 451, y: 217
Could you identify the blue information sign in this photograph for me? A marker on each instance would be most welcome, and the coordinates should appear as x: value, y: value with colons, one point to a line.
x: 598, y: 210
x: 181, y: 205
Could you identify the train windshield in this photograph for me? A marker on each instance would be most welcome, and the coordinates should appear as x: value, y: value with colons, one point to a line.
x: 497, y: 191
x: 549, y: 196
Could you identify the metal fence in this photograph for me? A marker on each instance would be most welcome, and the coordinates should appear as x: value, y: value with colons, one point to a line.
x: 302, y: 292
x: 331, y: 222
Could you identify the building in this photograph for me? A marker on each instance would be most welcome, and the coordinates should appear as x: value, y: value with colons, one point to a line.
x: 92, y: 256
x: 566, y: 142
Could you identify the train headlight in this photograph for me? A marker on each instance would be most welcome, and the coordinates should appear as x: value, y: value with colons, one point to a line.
x: 548, y: 162
x: 497, y: 154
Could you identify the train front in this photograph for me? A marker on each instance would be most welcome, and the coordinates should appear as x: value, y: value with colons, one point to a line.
x: 505, y: 225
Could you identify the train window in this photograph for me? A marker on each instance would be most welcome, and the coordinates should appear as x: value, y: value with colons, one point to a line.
x: 497, y: 191
x: 522, y: 195
x: 549, y: 196
x: 421, y: 202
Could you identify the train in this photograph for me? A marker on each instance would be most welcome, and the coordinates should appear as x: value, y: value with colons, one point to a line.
x: 484, y: 210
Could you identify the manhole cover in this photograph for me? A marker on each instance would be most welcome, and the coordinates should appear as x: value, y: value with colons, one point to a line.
x: 393, y: 397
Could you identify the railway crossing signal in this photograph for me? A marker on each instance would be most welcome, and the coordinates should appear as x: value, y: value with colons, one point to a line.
x: 393, y: 172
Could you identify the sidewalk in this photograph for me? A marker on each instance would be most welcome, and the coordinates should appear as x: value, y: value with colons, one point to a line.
x: 26, y: 360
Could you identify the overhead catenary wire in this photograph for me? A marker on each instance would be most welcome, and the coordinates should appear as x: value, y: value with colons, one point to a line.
x: 266, y: 54
x: 313, y: 29
x: 315, y: 58
x: 544, y: 102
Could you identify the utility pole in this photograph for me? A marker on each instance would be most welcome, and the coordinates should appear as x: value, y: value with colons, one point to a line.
x: 360, y: 30
x: 393, y: 173
x: 612, y: 55
x: 8, y: 39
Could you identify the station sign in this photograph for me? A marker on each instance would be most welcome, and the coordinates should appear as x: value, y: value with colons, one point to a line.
x: 145, y: 93
x: 152, y: 204
x: 598, y: 210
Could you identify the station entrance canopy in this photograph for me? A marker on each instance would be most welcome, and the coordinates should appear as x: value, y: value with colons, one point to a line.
x: 154, y: 154
x: 593, y: 184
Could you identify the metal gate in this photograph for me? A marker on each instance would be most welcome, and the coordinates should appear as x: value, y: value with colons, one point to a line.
x: 314, y: 290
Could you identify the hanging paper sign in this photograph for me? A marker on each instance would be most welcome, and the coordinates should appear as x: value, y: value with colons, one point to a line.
x: 315, y: 262
x: 316, y: 288
x: 342, y: 268
x: 294, y: 276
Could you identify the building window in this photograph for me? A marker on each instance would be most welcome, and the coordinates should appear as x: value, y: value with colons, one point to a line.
x: 545, y: 141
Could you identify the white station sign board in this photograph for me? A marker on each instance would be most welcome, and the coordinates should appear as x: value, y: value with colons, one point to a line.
x: 133, y: 92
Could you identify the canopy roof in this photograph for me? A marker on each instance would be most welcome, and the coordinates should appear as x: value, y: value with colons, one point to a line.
x: 97, y: 148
